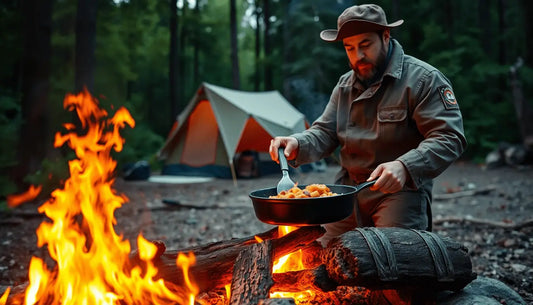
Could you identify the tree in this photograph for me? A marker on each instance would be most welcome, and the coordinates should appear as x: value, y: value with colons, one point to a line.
x: 267, y: 44
x: 257, y: 49
x: 85, y: 44
x: 234, y: 46
x: 34, y: 134
x: 173, y: 60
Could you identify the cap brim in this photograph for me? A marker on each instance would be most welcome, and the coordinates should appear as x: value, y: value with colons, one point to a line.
x: 355, y: 27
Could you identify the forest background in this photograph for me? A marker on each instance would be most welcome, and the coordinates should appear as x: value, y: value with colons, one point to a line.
x: 150, y: 56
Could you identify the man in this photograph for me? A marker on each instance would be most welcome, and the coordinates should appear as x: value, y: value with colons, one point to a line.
x: 395, y: 119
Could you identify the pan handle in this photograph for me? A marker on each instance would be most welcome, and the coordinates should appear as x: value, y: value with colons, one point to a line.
x: 364, y: 184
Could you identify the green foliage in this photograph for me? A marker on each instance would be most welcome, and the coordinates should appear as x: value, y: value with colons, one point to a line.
x: 132, y: 60
x: 52, y: 175
x: 141, y: 143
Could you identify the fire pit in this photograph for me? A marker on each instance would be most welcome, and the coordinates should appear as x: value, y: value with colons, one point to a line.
x: 285, y: 265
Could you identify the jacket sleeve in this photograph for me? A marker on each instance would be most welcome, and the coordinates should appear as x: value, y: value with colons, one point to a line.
x: 319, y: 140
x: 438, y: 118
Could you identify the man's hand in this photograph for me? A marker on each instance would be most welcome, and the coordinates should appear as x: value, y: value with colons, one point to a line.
x: 290, y: 144
x: 392, y: 177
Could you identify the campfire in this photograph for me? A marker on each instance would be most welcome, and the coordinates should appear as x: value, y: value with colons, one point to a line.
x: 89, y: 263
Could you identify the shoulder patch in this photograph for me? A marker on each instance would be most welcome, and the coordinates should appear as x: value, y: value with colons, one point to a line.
x: 448, y: 98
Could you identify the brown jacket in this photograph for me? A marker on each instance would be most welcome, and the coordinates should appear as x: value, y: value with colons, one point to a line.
x: 409, y: 115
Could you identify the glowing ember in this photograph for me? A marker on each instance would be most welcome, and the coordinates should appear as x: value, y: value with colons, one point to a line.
x: 290, y: 262
x: 92, y: 263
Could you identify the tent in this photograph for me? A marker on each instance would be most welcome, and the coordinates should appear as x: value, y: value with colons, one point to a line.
x: 219, y: 125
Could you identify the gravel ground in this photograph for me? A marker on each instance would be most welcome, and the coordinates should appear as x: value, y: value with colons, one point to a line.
x: 490, y: 218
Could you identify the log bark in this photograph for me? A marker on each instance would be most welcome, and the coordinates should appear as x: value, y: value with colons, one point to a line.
x: 252, y: 274
x: 214, y: 263
x: 313, y: 279
x: 398, y: 259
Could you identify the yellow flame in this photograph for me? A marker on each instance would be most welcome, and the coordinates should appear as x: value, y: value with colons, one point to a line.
x: 290, y: 262
x: 185, y: 261
x: 228, y: 291
x: 92, y: 262
x: 3, y: 298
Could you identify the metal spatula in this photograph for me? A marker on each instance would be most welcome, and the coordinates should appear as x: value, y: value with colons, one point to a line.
x: 285, y: 183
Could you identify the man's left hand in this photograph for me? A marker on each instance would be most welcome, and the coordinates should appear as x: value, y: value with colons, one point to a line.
x: 391, y: 177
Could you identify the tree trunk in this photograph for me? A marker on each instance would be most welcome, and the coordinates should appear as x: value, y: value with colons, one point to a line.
x: 503, y: 29
x: 523, y: 109
x: 34, y: 136
x: 269, y: 84
x: 173, y: 61
x: 234, y: 46
x: 257, y: 78
x: 196, y: 52
x: 527, y: 7
x: 286, y: 54
x: 183, y: 36
x: 85, y: 45
x: 484, y: 25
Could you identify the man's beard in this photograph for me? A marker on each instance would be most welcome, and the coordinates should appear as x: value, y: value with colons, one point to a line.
x: 369, y: 75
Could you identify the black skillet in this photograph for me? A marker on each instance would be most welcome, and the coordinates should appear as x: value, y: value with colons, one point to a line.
x: 305, y: 211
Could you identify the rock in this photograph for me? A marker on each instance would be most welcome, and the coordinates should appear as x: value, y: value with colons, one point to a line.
x: 484, y: 291
x: 515, y: 155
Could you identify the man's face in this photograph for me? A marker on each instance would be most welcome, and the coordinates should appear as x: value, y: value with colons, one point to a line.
x: 366, y: 53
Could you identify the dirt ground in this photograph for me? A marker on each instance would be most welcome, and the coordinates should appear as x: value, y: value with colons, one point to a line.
x: 490, y: 211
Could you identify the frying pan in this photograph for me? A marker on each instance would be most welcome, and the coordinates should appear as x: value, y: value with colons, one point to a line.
x: 305, y: 211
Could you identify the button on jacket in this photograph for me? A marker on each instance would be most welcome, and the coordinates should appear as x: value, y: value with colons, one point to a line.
x: 410, y: 115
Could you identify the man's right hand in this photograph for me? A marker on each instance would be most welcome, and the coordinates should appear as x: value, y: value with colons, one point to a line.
x: 290, y: 144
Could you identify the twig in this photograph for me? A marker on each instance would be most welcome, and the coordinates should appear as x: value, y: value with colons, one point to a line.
x: 174, y: 205
x: 513, y: 226
x: 479, y: 191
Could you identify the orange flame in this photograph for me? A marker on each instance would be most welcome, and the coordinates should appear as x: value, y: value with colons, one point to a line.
x: 18, y: 199
x: 290, y: 262
x: 92, y: 263
x: 185, y: 261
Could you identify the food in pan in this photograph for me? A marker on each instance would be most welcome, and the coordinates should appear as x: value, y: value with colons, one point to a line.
x: 311, y: 190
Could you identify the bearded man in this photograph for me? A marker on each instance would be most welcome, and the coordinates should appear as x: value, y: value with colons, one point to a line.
x: 395, y: 119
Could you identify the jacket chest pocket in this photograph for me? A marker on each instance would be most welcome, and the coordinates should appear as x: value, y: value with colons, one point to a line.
x: 393, y: 128
x: 392, y: 114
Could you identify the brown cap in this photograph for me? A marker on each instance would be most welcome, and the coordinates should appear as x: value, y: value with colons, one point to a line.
x: 359, y: 19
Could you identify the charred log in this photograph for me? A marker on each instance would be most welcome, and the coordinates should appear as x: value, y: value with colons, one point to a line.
x: 214, y: 263
x: 396, y: 258
x: 252, y: 274
x: 294, y: 281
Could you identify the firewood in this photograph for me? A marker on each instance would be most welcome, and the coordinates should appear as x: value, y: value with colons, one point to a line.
x: 311, y: 255
x: 396, y: 258
x: 252, y: 274
x: 277, y: 301
x: 294, y: 281
x: 214, y: 263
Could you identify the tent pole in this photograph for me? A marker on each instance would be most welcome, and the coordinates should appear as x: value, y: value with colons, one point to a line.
x: 233, y: 174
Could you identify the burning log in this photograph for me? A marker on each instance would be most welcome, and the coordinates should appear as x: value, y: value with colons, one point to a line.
x: 396, y: 258
x: 252, y: 274
x: 215, y: 262
x: 277, y: 301
x: 294, y: 281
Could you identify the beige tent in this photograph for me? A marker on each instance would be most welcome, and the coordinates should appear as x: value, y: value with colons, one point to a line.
x: 219, y: 123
